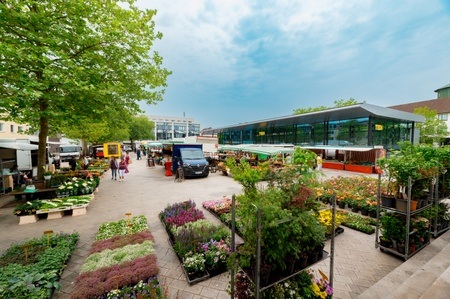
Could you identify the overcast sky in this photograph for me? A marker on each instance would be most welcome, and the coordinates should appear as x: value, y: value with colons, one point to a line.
x: 235, y: 61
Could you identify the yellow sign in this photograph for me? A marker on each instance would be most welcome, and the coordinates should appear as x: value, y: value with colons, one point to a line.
x: 262, y: 133
x: 378, y: 127
x: 112, y: 149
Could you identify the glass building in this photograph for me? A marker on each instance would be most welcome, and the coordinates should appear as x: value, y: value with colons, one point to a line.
x: 361, y: 125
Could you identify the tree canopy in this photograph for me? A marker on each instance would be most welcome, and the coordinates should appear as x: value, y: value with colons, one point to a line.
x: 337, y: 104
x: 433, y: 131
x: 141, y: 128
x: 69, y: 63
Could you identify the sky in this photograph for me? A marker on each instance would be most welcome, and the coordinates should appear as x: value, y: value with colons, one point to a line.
x: 237, y: 61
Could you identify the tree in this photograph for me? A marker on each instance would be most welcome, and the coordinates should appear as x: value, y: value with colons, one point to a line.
x: 141, y: 128
x: 337, y: 104
x: 433, y: 131
x: 66, y: 63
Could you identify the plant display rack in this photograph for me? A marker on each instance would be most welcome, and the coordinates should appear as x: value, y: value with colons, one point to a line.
x: 437, y: 227
x: 258, y: 288
x: 408, y: 213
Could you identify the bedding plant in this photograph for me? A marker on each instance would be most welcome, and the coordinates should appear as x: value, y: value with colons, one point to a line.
x: 122, y: 263
x: 32, y: 269
x: 199, y: 244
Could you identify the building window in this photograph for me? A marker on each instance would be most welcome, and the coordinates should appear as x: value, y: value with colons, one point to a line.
x: 20, y: 129
x: 11, y: 128
x: 443, y: 117
x: 2, y: 127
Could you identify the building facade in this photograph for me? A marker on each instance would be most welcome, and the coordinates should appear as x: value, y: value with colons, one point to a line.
x: 361, y: 125
x: 170, y: 127
x: 12, y: 130
x: 441, y: 105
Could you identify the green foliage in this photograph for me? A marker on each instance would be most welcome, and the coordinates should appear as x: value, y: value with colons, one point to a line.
x: 245, y: 174
x: 122, y: 227
x: 433, y: 131
x: 108, y: 257
x: 37, y: 276
x: 359, y: 223
x: 409, y: 161
x: 141, y: 128
x: 392, y: 227
x: 337, y: 104
x: 66, y: 63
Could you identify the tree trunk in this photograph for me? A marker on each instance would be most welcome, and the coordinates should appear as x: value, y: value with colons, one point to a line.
x: 43, y: 133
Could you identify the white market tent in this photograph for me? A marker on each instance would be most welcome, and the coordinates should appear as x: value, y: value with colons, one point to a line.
x: 268, y: 150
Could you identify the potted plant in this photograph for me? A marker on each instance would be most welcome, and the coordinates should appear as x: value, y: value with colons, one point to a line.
x: 48, y: 175
x: 194, y: 265
x: 393, y: 230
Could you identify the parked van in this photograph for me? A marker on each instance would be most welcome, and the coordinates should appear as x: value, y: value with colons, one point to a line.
x: 67, y: 151
x: 192, y: 158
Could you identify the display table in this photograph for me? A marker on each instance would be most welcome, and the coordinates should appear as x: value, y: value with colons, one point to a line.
x: 38, y: 194
x: 168, y: 166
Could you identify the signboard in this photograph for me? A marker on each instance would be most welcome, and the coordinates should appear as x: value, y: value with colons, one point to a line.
x: 112, y: 149
x: 378, y: 127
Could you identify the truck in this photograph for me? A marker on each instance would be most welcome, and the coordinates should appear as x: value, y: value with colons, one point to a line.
x: 67, y: 151
x: 191, y: 158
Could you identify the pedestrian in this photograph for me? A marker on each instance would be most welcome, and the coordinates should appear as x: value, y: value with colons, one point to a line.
x: 319, y: 162
x: 138, y: 154
x: 127, y: 158
x: 113, y: 165
x: 123, y: 168
x: 73, y: 163
x: 85, y: 163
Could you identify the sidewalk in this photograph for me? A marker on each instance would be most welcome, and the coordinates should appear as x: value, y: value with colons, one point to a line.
x: 146, y: 191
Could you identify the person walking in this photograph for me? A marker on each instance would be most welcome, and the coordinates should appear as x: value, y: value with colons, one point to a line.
x: 113, y: 165
x: 319, y: 162
x: 127, y: 158
x: 73, y: 163
x: 138, y: 154
x: 85, y: 163
x: 122, y: 169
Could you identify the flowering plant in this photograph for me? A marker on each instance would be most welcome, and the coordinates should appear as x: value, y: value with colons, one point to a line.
x: 194, y: 263
x: 216, y: 253
x: 219, y: 206
x: 321, y: 286
x: 325, y: 218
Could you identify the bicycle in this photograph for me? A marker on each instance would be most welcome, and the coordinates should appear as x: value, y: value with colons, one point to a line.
x: 179, y: 175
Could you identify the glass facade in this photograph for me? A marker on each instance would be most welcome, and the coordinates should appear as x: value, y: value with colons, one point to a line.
x: 361, y: 131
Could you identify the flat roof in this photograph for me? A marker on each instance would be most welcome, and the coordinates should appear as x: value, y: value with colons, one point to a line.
x: 334, y: 114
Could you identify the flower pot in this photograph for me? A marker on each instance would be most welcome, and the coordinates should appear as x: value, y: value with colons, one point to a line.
x: 341, y: 205
x: 312, y: 257
x: 355, y: 209
x: 401, y: 248
x: 364, y: 212
x: 302, y: 262
x: 388, y: 201
x: 373, y: 214
x: 385, y: 243
x: 47, y: 177
x: 402, y: 204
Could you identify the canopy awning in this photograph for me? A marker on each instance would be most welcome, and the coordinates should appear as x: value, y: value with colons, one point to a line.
x: 258, y: 149
x: 19, y: 146
x: 342, y: 148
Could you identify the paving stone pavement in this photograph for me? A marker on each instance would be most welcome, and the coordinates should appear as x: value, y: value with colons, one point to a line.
x: 146, y: 191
